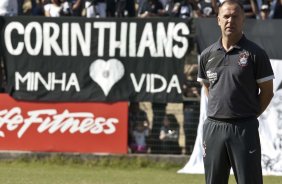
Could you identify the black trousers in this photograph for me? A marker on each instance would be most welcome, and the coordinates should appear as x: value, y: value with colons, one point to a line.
x: 232, y: 143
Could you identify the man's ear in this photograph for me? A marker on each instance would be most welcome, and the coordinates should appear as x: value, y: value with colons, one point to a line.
x: 218, y: 20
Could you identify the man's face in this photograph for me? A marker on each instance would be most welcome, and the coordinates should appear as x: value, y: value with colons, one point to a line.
x: 230, y: 19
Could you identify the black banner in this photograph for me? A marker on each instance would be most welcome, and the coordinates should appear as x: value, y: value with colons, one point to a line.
x: 80, y: 59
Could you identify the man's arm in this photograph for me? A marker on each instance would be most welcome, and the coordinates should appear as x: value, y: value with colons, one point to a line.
x: 265, y: 95
x: 206, y: 87
x: 76, y: 5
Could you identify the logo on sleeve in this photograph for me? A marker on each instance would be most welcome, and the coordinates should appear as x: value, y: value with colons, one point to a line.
x: 243, y: 58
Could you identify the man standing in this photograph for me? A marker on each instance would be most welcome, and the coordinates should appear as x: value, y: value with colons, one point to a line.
x: 237, y: 76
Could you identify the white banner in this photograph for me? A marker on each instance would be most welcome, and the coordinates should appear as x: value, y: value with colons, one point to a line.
x: 270, y: 132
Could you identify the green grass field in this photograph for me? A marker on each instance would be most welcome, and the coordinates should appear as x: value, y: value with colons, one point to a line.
x: 66, y: 172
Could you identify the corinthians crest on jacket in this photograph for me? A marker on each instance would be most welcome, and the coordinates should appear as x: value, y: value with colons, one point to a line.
x: 243, y: 58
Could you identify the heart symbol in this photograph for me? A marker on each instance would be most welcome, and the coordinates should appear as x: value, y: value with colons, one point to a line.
x: 106, y: 73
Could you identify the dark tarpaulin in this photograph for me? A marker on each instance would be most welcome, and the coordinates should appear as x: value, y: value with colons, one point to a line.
x: 267, y: 34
